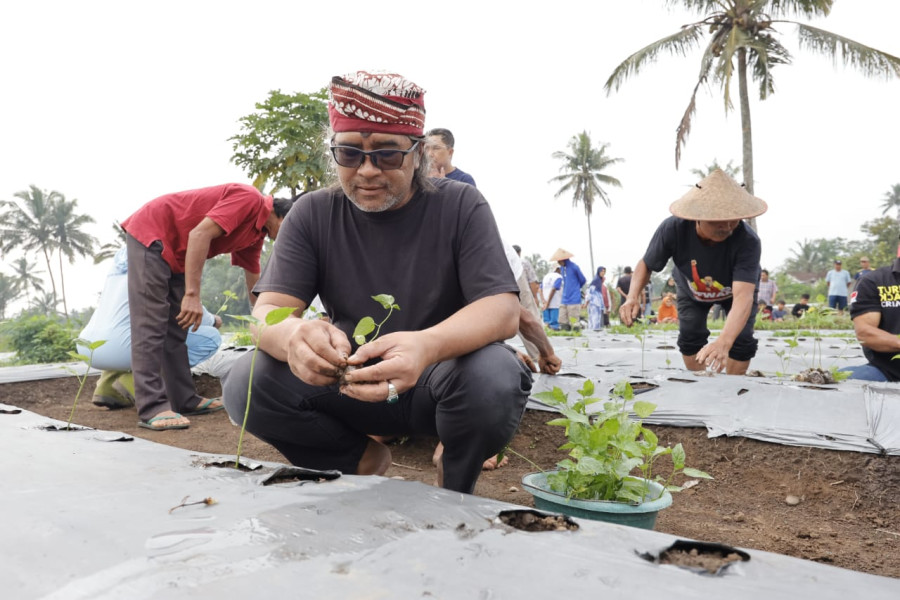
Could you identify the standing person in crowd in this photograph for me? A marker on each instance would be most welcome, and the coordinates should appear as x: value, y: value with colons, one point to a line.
x: 595, y: 303
x: 647, y: 302
x: 864, y: 269
x: 876, y: 322
x: 439, y: 145
x: 801, y: 307
x: 438, y: 366
x: 716, y: 256
x: 767, y: 288
x: 623, y: 285
x: 607, y: 300
x: 839, y: 283
x: 669, y: 287
x: 551, y: 296
x: 169, y: 240
x: 533, y: 283
x: 572, y: 282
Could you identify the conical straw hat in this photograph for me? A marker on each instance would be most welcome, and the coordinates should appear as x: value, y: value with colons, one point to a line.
x: 718, y: 197
x: 561, y: 254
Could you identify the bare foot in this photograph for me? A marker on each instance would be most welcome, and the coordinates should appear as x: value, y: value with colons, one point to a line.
x: 375, y: 460
x: 167, y: 419
x: 491, y: 463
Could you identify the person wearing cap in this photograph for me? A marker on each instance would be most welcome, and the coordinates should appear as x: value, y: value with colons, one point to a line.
x: 839, y: 283
x: 439, y: 145
x: 716, y: 256
x: 572, y: 282
x: 438, y: 365
x: 875, y: 311
x: 168, y: 241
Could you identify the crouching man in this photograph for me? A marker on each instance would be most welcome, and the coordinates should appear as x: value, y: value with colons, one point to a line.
x: 438, y: 366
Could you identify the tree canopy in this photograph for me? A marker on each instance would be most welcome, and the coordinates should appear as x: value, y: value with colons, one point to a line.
x: 281, y: 145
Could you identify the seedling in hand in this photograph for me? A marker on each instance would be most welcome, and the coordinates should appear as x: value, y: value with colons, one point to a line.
x: 367, y: 325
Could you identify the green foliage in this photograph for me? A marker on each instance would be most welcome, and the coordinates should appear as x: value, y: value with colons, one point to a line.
x: 367, y: 325
x: 606, y: 447
x: 40, y: 339
x: 281, y: 145
x: 541, y: 266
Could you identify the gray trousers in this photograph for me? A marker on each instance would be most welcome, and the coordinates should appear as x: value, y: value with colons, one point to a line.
x: 159, y: 357
x: 473, y: 403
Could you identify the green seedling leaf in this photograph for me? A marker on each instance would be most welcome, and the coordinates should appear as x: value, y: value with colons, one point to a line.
x: 245, y: 318
x: 587, y: 389
x: 678, y: 457
x: 643, y: 409
x: 365, y: 326
x: 276, y: 316
x: 691, y: 472
x: 77, y: 356
x: 385, y: 300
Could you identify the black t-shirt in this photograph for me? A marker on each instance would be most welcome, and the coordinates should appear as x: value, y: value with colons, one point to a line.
x: 703, y: 272
x: 799, y: 309
x: 438, y: 253
x: 624, y: 284
x: 879, y: 291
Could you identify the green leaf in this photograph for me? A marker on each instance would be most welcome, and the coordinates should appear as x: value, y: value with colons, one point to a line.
x: 587, y: 389
x: 359, y: 339
x: 245, y: 318
x: 385, y: 300
x: 643, y: 409
x: 77, y: 356
x: 690, y: 472
x: 276, y: 316
x: 678, y: 457
x: 365, y: 326
x: 558, y: 422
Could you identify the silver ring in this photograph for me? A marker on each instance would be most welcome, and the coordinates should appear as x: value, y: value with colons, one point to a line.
x: 393, y: 396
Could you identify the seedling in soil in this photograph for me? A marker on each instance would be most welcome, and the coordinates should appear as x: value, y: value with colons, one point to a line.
x: 273, y: 317
x: 91, y: 346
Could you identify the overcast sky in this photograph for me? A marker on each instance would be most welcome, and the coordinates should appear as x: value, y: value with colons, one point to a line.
x: 115, y: 103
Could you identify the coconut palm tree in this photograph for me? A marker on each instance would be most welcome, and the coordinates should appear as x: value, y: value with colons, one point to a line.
x: 742, y: 36
x: 731, y: 170
x: 109, y: 249
x: 9, y: 291
x: 892, y: 201
x: 582, y: 176
x: 68, y: 237
x: 27, y: 276
x: 27, y: 225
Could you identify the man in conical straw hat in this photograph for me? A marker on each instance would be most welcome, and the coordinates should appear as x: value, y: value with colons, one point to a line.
x: 572, y: 282
x: 716, y: 256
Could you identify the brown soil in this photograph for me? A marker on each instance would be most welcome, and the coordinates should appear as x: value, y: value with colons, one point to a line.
x: 839, y: 508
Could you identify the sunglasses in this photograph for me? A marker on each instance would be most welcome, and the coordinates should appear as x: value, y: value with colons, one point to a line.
x: 386, y: 160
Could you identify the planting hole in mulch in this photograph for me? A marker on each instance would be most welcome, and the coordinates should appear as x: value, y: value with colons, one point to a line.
x: 229, y: 464
x: 682, y: 380
x: 638, y: 387
x: 55, y: 427
x: 703, y: 558
x: 293, y: 474
x: 533, y: 520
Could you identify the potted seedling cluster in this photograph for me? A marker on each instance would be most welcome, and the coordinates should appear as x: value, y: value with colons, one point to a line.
x: 611, y: 471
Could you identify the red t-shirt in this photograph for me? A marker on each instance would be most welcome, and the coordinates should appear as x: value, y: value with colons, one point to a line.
x: 240, y: 210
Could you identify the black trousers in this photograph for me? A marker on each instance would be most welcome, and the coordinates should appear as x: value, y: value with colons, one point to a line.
x: 473, y: 403
x: 159, y: 356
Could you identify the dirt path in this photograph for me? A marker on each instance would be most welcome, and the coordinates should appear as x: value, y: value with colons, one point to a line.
x: 848, y: 512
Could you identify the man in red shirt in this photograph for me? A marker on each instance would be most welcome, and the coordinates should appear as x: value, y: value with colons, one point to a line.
x: 169, y: 240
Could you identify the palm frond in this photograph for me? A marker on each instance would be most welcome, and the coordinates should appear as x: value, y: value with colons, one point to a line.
x: 869, y: 61
x: 806, y: 8
x: 678, y: 43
